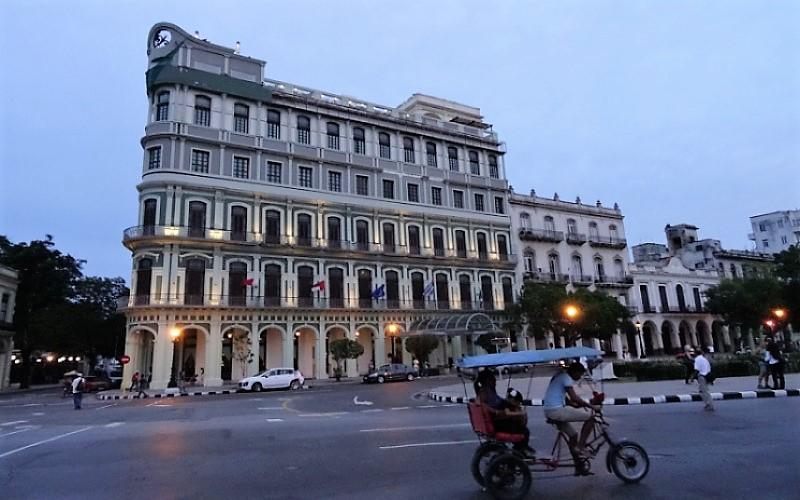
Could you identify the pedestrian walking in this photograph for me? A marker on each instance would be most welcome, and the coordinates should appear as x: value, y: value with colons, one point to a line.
x: 776, y: 365
x: 134, y: 382
x: 763, y: 365
x: 78, y: 384
x: 688, y: 364
x: 141, y: 386
x: 415, y: 364
x: 703, y: 370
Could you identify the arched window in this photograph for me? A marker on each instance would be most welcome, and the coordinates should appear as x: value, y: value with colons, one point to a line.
x: 599, y: 269
x: 487, y: 294
x: 238, y: 223
x: 614, y: 232
x: 362, y: 235
x: 149, y: 217
x: 442, y: 292
x: 734, y: 274
x: 202, y: 111
x: 430, y: 154
x: 303, y: 130
x: 508, y: 292
x: 452, y: 158
x: 241, y: 118
x: 554, y: 266
x: 594, y: 234
x: 461, y: 244
x: 336, y: 286
x: 274, y: 124
x: 525, y: 220
x: 474, y: 163
x: 438, y: 242
x: 530, y: 261
x: 502, y: 247
x: 385, y: 145
x: 334, y: 232
x: 619, y: 268
x: 418, y: 290
x: 494, y: 171
x: 272, y: 285
x: 392, y: 289
x: 162, y: 106
x: 237, y: 289
x: 305, y: 282
x: 272, y: 227
x: 465, y: 290
x: 144, y: 279
x: 408, y: 150
x: 577, y: 268
x: 304, y: 230
x: 365, y: 288
x: 388, y: 238
x: 359, y: 141
x: 333, y: 135
x: 549, y: 224
x: 195, y: 280
x: 483, y: 250
x: 413, y: 240
x: 197, y: 219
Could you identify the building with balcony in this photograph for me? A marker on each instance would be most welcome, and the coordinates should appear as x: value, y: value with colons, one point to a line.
x: 776, y: 231
x: 9, y: 280
x: 274, y: 218
x: 571, y: 243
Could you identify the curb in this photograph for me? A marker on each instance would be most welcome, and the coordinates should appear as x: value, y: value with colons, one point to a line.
x: 647, y: 400
x: 117, y: 397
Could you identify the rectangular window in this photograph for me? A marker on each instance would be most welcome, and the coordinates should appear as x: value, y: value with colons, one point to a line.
x: 335, y: 181
x: 154, y: 158
x: 202, y: 111
x: 474, y: 164
x: 362, y: 185
x: 765, y: 243
x: 305, y: 177
x: 273, y: 124
x: 494, y: 171
x: 274, y: 172
x: 458, y: 199
x: 762, y: 227
x: 436, y: 195
x: 388, y: 189
x: 162, y: 107
x: 784, y: 240
x: 408, y: 150
x: 200, y: 161
x: 780, y: 223
x: 499, y: 206
x: 413, y: 192
x: 430, y: 154
x: 385, y: 145
x: 452, y: 158
x: 241, y: 118
x: 241, y: 167
x: 359, y: 141
x: 479, y: 202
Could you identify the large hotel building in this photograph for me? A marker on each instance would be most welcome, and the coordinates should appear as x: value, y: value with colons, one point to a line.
x: 274, y: 218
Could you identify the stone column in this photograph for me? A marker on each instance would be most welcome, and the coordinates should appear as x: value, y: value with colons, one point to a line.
x: 213, y: 372
x: 132, y: 349
x: 252, y: 366
x: 380, y: 345
x: 288, y: 349
x: 162, y: 357
x: 350, y: 365
x: 616, y: 342
x: 319, y: 356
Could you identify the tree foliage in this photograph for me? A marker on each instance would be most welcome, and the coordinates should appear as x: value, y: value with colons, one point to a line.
x: 421, y: 346
x: 342, y: 349
x: 744, y: 302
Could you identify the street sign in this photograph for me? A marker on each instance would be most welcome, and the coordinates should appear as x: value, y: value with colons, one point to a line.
x: 125, y: 359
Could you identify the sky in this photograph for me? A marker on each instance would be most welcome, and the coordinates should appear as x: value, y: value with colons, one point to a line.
x: 680, y: 111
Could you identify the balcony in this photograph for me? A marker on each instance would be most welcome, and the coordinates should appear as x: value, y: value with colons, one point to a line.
x: 607, y: 241
x: 526, y: 234
x: 576, y: 238
x: 581, y: 280
x: 687, y: 309
x: 547, y: 277
x: 161, y: 233
x: 613, y: 281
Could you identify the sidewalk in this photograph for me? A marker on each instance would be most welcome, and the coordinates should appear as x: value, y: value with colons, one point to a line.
x: 628, y: 392
x: 15, y: 391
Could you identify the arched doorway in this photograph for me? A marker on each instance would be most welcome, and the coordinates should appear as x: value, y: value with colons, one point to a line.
x: 237, y: 353
x: 718, y: 336
x: 650, y: 336
x: 685, y: 334
x: 270, y: 348
x: 145, y: 340
x: 667, y: 336
x: 704, y: 335
x: 366, y: 337
x: 305, y: 350
x: 189, y: 355
x: 333, y: 333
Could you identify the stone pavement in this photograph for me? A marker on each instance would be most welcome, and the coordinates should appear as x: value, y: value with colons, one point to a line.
x: 628, y: 392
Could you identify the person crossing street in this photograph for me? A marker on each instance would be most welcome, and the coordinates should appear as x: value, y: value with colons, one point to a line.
x: 77, y: 390
x: 703, y: 369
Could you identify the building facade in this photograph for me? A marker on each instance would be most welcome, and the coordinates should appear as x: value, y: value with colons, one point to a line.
x: 776, y: 231
x: 573, y: 244
x: 9, y: 280
x: 274, y: 218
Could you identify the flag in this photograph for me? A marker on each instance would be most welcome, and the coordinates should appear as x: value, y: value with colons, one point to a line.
x: 248, y: 282
x: 428, y: 289
x: 320, y: 285
x: 379, y: 292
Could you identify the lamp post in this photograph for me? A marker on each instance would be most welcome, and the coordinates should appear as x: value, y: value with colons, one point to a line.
x: 175, y: 335
x: 392, y: 328
x: 571, y: 312
x: 641, y: 343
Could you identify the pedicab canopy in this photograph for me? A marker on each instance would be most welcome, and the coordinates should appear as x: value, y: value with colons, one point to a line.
x: 528, y: 357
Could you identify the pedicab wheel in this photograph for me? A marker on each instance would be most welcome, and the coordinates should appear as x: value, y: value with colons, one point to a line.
x: 482, y: 458
x: 629, y: 461
x: 508, y: 477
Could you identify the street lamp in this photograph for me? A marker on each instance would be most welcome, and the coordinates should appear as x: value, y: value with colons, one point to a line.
x: 175, y: 333
x: 571, y: 312
x: 641, y: 342
x: 393, y: 328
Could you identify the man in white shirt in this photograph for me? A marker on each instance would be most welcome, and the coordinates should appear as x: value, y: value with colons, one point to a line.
x: 77, y: 390
x: 703, y: 368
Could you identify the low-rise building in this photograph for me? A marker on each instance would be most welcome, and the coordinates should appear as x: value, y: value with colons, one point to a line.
x: 9, y: 279
x: 776, y: 231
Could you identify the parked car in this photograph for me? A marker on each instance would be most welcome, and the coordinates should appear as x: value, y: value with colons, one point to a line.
x: 96, y: 384
x: 387, y: 373
x: 274, y: 378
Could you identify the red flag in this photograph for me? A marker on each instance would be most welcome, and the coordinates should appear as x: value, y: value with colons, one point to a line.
x: 248, y: 282
x: 320, y: 285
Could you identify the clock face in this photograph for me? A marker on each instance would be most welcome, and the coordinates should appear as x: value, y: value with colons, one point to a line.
x: 161, y: 39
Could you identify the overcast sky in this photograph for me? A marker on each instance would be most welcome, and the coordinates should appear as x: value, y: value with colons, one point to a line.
x: 680, y: 111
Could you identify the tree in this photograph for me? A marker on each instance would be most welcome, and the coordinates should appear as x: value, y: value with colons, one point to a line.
x: 344, y: 349
x: 745, y: 302
x: 47, y: 280
x: 420, y: 346
x: 539, y: 307
x: 600, y: 316
x: 243, y: 351
x: 787, y: 270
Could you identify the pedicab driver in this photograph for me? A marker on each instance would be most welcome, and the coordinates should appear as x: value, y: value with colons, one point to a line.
x: 574, y: 409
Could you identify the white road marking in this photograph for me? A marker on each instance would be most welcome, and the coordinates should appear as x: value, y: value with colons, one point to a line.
x: 428, y: 406
x: 331, y: 414
x: 14, y: 422
x: 158, y: 404
x: 420, y: 427
x: 17, y: 450
x: 438, y: 443
x: 16, y: 432
x: 272, y: 408
x: 37, y: 413
x: 450, y: 404
x: 357, y: 402
x: 374, y: 410
x: 274, y: 420
x: 33, y: 404
x: 106, y: 406
x: 114, y: 424
x: 400, y: 408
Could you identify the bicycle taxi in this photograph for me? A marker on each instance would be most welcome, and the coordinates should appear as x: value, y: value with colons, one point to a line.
x: 505, y: 472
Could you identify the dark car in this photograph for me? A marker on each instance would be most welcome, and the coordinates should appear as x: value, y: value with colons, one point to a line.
x: 96, y: 384
x: 387, y: 373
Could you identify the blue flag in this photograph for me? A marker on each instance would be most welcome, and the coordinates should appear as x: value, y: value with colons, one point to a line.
x: 428, y: 289
x: 379, y: 292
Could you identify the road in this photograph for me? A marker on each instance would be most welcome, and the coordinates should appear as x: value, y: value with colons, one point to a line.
x: 320, y: 444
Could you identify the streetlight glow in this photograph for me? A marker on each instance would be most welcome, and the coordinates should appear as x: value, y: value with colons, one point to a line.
x: 571, y: 311
x: 769, y: 323
x: 779, y: 313
x: 175, y: 332
x: 393, y: 328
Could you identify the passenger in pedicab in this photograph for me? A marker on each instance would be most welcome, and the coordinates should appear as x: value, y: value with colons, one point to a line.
x: 508, y: 415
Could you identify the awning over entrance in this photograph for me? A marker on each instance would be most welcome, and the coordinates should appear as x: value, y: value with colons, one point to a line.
x: 454, y: 324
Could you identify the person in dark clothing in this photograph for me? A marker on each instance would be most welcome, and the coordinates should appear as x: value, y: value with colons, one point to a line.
x: 506, y: 417
x: 776, y: 365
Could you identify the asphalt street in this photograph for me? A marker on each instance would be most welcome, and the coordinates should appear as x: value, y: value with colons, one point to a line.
x: 355, y: 441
